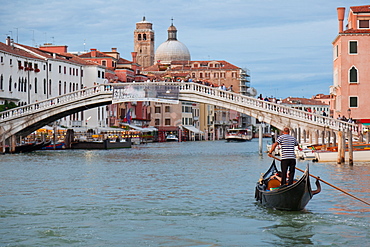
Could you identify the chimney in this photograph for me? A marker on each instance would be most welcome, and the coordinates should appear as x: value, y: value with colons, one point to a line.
x: 340, y: 12
x: 7, y: 41
x: 93, y: 52
x: 114, y: 49
x: 134, y: 54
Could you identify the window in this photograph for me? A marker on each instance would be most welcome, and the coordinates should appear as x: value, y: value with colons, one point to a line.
x: 363, y: 24
x: 167, y: 108
x: 60, y: 69
x: 1, y: 82
x: 35, y: 85
x: 157, y: 109
x: 44, y: 86
x: 353, y: 75
x: 98, y: 73
x: 353, y: 47
x: 144, y: 36
x: 353, y: 101
x: 10, y: 83
x: 104, y: 63
x: 139, y: 36
x: 157, y: 122
x: 167, y: 121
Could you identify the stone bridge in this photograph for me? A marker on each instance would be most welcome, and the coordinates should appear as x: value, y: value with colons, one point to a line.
x: 23, y: 120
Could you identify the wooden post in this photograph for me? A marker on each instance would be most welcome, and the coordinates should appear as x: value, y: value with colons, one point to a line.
x: 299, y: 135
x: 323, y: 137
x: 12, y: 144
x: 55, y: 136
x: 350, y: 148
x: 340, y: 159
x: 260, y: 140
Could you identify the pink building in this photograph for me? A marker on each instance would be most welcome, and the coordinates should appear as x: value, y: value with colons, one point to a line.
x: 350, y: 91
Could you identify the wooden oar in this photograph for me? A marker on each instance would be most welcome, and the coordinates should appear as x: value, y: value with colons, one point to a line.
x: 335, y: 187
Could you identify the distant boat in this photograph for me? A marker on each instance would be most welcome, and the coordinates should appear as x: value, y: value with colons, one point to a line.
x: 28, y: 147
x: 172, y: 138
x: 105, y: 144
x: 239, y: 135
x: 58, y: 145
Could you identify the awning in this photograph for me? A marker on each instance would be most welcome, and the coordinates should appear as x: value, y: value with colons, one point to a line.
x: 149, y: 129
x: 133, y: 126
x: 192, y: 129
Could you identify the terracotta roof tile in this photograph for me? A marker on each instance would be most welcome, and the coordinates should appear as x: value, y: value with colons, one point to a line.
x: 361, y: 9
x: 357, y: 31
x: 16, y: 51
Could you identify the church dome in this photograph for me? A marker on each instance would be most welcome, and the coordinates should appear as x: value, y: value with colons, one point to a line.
x: 172, y: 49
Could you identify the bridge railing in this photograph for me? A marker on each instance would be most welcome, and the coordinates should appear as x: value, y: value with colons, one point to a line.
x: 53, y: 102
x: 269, y: 107
x: 195, y: 88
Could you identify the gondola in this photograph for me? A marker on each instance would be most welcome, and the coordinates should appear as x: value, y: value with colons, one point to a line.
x: 293, y: 197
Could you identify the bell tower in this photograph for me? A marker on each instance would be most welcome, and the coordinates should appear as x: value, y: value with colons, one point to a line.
x: 144, y: 43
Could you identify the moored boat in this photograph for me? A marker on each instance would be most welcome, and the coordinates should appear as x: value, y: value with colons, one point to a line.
x: 293, y: 197
x: 330, y: 156
x: 172, y: 138
x: 239, y: 135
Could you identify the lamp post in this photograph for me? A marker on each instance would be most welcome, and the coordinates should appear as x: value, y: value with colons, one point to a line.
x: 349, y: 113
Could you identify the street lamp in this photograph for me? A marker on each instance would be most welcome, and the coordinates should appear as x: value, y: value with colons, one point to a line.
x: 349, y: 113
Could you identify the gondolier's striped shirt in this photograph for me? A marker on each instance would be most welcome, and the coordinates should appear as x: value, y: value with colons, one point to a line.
x: 287, y: 143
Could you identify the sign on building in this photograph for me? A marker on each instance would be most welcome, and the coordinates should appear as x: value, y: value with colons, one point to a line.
x: 158, y: 93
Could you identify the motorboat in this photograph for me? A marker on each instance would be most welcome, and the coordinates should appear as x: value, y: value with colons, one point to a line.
x: 239, y: 135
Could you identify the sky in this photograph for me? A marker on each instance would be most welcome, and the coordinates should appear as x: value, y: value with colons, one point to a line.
x: 285, y: 44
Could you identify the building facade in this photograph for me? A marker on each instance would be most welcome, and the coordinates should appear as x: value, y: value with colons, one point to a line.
x: 351, y: 62
x: 29, y: 75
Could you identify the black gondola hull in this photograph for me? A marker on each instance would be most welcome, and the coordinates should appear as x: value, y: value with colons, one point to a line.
x: 293, y: 197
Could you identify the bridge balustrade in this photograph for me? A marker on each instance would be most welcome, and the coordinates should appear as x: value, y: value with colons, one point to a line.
x: 191, y: 89
x: 270, y: 107
x: 54, y: 102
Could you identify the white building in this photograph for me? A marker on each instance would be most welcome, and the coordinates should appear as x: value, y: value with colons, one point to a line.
x: 29, y: 74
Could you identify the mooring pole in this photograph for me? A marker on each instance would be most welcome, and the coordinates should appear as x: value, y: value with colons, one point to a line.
x: 350, y: 148
x: 340, y: 147
x: 260, y: 139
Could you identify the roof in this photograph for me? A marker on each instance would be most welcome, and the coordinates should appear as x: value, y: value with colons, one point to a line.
x: 99, y: 54
x: 302, y: 101
x: 361, y: 9
x: 356, y: 31
x: 16, y: 51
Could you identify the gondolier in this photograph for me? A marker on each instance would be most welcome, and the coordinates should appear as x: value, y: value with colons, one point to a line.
x: 288, y: 159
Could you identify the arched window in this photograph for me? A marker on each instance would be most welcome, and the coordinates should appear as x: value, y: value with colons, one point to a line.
x: 50, y: 87
x: 144, y: 36
x: 139, y: 36
x: 60, y: 87
x: 65, y: 87
x: 1, y: 82
x: 10, y: 83
x: 44, y: 86
x: 353, y: 78
x: 35, y: 85
x: 20, y: 84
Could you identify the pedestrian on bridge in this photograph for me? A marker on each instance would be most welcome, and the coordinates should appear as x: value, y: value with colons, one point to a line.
x: 288, y: 159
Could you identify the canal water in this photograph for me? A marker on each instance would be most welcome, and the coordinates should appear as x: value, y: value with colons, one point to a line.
x: 171, y: 194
